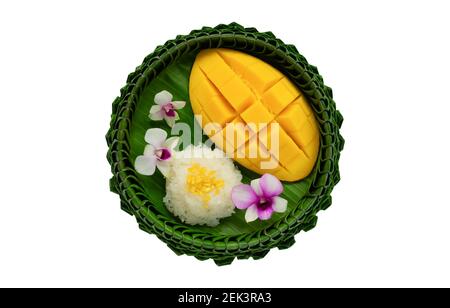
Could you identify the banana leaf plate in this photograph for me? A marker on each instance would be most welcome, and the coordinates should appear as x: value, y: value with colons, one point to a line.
x: 168, y: 67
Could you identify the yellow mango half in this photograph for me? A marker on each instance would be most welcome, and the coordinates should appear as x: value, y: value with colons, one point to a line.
x: 260, y: 117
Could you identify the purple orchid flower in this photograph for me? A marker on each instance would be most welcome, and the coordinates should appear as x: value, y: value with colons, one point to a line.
x: 165, y: 108
x: 157, y: 153
x: 260, y: 198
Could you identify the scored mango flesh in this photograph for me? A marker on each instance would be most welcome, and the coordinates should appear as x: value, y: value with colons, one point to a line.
x: 229, y: 86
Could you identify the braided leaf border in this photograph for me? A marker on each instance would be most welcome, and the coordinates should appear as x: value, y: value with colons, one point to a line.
x: 181, y: 238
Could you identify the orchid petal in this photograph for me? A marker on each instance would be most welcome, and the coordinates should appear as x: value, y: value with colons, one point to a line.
x: 149, y: 150
x: 158, y: 116
x: 155, y: 109
x: 155, y: 137
x: 178, y: 104
x: 163, y: 167
x: 170, y: 120
x: 266, y: 213
x: 156, y: 113
x: 270, y: 185
x: 145, y: 164
x: 251, y: 214
x: 163, y: 97
x: 171, y: 142
x: 256, y: 187
x: 243, y: 196
x: 279, y: 204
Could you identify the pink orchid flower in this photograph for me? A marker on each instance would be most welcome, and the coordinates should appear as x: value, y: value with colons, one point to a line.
x: 165, y: 108
x: 260, y: 198
x: 157, y: 153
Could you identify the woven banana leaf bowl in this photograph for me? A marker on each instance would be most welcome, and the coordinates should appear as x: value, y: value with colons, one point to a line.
x: 168, y: 67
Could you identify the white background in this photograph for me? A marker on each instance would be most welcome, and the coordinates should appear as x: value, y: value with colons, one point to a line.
x: 63, y: 62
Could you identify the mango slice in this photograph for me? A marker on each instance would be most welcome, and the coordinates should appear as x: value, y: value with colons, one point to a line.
x: 273, y: 129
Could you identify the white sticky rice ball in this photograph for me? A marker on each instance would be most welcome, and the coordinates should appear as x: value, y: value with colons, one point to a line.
x: 198, y: 185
